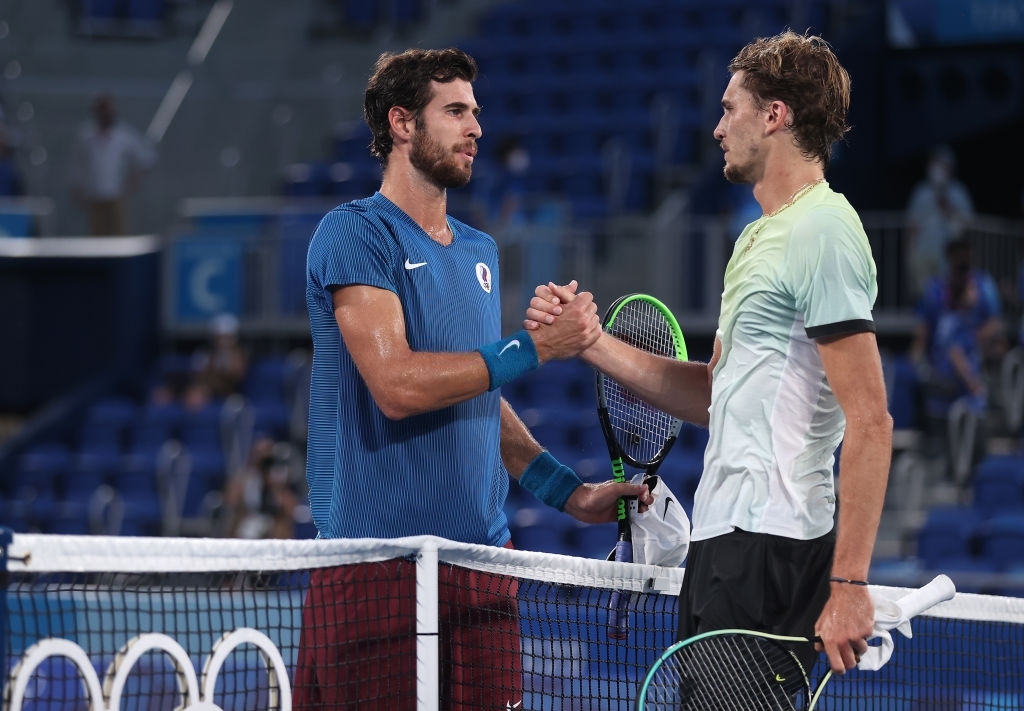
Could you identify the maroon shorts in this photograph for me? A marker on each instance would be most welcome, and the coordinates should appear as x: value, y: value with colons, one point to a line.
x: 357, y: 648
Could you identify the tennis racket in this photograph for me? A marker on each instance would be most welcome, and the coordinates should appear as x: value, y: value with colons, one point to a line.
x: 636, y: 433
x: 727, y: 670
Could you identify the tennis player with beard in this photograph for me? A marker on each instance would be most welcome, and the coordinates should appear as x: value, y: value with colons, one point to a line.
x: 408, y: 432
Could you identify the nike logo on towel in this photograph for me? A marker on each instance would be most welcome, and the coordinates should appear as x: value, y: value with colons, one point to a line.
x: 511, y: 344
x: 668, y: 500
x: 410, y: 266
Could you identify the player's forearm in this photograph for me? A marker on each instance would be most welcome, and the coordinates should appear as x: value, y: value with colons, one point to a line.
x: 518, y: 446
x: 863, y: 476
x: 423, y: 382
x: 680, y: 388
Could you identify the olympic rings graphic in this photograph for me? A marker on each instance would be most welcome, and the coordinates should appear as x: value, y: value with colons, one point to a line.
x: 107, y: 697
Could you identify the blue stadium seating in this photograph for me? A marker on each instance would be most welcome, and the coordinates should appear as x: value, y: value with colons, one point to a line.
x: 106, y: 425
x: 538, y: 527
x: 948, y: 533
x: 271, y: 417
x: 206, y: 474
x: 1002, y: 539
x: 998, y: 483
x: 902, y: 385
x: 268, y: 378
x: 202, y: 426
x: 156, y: 424
x: 43, y: 467
x: 89, y: 470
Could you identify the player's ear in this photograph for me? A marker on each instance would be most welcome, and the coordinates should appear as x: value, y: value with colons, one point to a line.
x: 402, y: 122
x: 777, y: 116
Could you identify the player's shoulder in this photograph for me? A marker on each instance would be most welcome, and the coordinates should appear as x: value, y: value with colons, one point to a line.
x: 829, y: 214
x: 468, y: 231
x: 347, y: 213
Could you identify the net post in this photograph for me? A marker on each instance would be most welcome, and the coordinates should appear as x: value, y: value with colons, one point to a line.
x: 427, y: 665
x: 6, y: 538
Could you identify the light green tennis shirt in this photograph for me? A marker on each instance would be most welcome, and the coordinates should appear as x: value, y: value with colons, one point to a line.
x: 805, y: 273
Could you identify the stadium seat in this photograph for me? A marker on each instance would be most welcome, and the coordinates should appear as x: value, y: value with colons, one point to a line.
x: 157, y: 423
x: 681, y: 470
x: 70, y: 517
x: 902, y: 384
x: 106, y: 424
x: 89, y: 470
x: 202, y: 427
x: 543, y: 529
x: 949, y: 532
x: 268, y: 379
x: 43, y: 467
x: 1002, y: 539
x: 998, y: 483
x: 271, y: 417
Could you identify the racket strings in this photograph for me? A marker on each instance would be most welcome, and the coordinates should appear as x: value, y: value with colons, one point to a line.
x: 641, y: 430
x: 727, y: 674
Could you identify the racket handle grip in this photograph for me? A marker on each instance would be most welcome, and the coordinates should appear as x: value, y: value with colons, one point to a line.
x: 618, y: 615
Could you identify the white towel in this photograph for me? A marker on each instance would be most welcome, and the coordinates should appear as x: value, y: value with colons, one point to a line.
x: 896, y: 615
x: 661, y: 534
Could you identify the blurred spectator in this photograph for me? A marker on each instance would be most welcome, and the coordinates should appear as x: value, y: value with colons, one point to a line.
x: 219, y: 369
x: 939, y: 209
x: 261, y: 499
x: 108, y: 160
x: 985, y: 313
x: 955, y: 359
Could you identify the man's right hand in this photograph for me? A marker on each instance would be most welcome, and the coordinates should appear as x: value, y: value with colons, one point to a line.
x: 547, y: 302
x: 576, y: 327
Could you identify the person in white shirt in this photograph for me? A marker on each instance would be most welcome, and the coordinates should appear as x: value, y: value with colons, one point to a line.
x: 779, y: 543
x: 107, y: 160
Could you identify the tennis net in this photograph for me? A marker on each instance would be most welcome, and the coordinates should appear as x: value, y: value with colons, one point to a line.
x: 96, y: 623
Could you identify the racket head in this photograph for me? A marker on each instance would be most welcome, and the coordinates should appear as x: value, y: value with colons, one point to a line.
x: 637, y: 433
x: 727, y: 670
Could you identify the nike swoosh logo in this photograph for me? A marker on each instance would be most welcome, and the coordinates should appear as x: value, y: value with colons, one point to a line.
x: 511, y: 344
x: 410, y: 266
x: 509, y: 706
x: 779, y: 678
x: 668, y: 500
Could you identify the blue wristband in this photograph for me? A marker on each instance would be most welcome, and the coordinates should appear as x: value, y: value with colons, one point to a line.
x: 509, y: 358
x: 549, y: 481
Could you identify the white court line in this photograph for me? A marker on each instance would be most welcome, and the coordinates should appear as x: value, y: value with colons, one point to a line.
x: 176, y: 92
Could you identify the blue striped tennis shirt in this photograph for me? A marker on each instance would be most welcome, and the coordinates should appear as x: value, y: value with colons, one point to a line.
x: 438, y: 473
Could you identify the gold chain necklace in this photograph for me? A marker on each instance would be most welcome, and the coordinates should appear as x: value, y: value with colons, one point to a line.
x: 801, y: 191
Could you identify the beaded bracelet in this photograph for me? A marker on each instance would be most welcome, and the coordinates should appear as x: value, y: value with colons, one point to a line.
x: 837, y: 579
x: 509, y: 358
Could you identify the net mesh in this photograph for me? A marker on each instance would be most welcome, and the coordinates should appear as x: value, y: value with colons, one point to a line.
x: 105, y: 623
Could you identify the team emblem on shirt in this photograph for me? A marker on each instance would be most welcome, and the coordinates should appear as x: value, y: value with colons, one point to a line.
x: 483, y: 275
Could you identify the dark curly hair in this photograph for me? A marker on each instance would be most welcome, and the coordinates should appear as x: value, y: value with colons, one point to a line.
x: 403, y: 79
x: 804, y: 73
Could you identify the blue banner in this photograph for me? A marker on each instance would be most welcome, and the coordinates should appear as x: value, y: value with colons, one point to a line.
x: 207, y: 276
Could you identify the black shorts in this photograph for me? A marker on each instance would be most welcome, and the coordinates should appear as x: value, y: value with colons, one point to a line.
x: 756, y: 581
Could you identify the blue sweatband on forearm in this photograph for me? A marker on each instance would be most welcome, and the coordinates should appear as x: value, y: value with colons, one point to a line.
x: 509, y: 358
x: 549, y: 481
